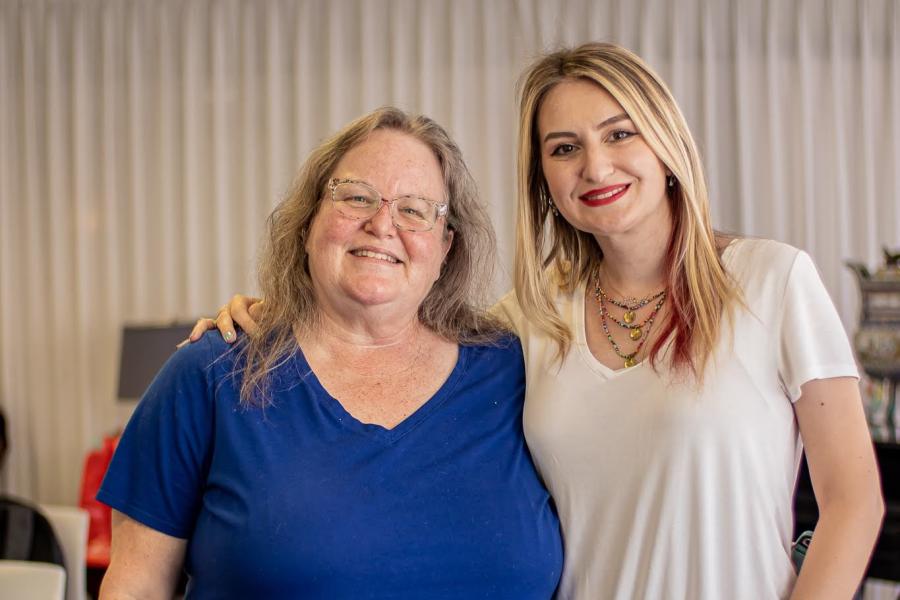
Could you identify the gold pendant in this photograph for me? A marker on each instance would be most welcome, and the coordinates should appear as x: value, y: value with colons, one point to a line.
x: 635, y: 334
x: 630, y: 362
x: 629, y: 316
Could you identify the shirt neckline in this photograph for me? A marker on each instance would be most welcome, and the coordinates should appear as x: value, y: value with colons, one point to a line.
x: 373, y: 430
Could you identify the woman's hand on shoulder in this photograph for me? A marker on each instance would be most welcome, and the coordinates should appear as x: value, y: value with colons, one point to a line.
x: 243, y: 310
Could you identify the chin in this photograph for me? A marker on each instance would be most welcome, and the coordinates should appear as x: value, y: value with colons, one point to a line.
x: 376, y: 292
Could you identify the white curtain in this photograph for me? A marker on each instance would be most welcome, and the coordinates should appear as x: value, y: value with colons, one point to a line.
x: 142, y: 144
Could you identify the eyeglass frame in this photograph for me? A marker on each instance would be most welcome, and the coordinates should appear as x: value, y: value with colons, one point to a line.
x: 442, y: 207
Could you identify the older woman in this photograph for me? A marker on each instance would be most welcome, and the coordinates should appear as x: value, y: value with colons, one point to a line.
x: 366, y: 442
x: 674, y: 374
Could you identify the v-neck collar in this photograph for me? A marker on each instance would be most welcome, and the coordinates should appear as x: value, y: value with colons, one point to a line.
x: 578, y: 307
x: 387, y: 436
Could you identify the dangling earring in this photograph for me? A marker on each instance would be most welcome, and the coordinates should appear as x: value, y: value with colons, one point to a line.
x: 670, y: 181
x: 550, y: 206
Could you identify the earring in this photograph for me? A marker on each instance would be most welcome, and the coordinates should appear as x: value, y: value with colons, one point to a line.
x: 670, y: 181
x: 550, y: 206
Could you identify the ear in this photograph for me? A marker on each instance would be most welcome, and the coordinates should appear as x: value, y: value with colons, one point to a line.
x: 447, y: 242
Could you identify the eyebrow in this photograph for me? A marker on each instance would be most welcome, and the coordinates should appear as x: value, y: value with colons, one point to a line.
x: 568, y: 134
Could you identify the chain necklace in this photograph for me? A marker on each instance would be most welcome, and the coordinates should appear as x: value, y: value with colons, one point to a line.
x: 636, y: 331
x: 629, y: 305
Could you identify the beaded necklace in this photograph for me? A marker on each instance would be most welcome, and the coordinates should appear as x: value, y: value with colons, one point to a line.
x: 636, y: 331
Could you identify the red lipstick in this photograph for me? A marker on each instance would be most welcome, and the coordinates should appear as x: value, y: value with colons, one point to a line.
x: 605, y: 195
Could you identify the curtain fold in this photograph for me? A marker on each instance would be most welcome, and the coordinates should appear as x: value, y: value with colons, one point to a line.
x: 143, y: 143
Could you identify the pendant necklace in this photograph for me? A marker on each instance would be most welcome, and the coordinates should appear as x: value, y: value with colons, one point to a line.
x: 637, y: 332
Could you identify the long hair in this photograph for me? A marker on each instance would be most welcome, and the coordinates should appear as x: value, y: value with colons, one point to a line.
x: 453, y: 308
x: 551, y: 254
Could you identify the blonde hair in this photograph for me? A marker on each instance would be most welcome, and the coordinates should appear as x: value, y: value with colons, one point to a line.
x: 453, y: 307
x: 551, y: 254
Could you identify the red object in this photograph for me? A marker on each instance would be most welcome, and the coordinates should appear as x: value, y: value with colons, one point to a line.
x: 100, y: 515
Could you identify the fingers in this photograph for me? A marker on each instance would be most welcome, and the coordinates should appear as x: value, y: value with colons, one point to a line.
x: 200, y: 327
x: 226, y: 325
x: 244, y: 310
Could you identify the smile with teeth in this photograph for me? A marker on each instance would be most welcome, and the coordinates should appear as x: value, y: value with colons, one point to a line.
x: 604, y: 196
x: 377, y: 255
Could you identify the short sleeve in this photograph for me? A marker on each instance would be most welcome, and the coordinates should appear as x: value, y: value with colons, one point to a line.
x: 158, y: 471
x: 813, y: 344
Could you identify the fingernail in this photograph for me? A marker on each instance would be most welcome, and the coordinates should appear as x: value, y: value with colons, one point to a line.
x: 182, y: 343
x: 228, y: 335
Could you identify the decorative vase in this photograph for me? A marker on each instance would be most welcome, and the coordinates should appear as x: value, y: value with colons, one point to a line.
x: 877, y: 339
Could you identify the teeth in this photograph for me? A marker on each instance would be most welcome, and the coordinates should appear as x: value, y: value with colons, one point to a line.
x: 378, y: 255
x: 608, y: 194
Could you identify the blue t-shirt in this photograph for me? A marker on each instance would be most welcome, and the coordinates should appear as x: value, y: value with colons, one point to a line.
x: 301, y: 500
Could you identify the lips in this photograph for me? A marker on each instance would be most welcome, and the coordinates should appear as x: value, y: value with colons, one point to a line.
x: 376, y: 254
x: 605, y: 195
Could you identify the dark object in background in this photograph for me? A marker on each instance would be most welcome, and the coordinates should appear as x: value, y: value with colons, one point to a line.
x: 144, y: 351
x: 26, y: 534
x: 885, y: 563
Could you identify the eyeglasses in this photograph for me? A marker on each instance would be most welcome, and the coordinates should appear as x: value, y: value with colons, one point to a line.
x: 358, y: 200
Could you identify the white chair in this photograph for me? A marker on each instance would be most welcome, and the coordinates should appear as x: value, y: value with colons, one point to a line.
x: 70, y: 524
x: 22, y: 580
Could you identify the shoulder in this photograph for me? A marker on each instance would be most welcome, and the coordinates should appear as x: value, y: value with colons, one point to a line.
x: 501, y: 358
x: 758, y: 252
x: 508, y: 310
x: 206, y: 356
x: 761, y: 265
x: 505, y: 347
x: 191, y: 379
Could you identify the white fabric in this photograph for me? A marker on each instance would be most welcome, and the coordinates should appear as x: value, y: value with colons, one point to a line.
x: 666, y: 490
x: 21, y: 580
x: 70, y: 524
x: 142, y: 143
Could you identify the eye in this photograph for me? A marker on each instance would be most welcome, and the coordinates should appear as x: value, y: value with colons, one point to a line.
x: 562, y: 150
x: 414, y: 208
x: 621, y: 134
x: 358, y: 200
x: 413, y: 212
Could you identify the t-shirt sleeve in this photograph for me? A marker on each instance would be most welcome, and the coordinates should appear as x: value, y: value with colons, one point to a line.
x: 158, y: 471
x: 813, y: 344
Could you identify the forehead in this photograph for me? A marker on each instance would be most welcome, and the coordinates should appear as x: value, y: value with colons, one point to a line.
x: 575, y: 103
x: 395, y: 163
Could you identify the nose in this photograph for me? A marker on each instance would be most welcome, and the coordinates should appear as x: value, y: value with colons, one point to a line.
x: 597, y: 164
x: 381, y: 223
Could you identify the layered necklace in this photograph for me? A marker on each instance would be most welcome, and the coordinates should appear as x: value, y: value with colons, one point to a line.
x: 637, y: 332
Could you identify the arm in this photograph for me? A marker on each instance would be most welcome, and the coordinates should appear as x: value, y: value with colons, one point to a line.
x: 845, y: 481
x: 243, y: 309
x: 144, y: 563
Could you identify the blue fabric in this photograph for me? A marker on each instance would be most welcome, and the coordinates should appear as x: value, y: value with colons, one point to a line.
x: 301, y: 500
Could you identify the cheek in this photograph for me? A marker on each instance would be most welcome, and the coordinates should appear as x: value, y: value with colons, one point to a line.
x: 327, y: 234
x: 558, y: 178
x: 430, y: 254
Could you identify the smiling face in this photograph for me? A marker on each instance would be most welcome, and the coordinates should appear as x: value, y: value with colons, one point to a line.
x: 356, y: 264
x: 603, y: 177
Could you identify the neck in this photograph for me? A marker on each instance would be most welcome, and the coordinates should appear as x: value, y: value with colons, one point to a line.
x: 634, y: 263
x: 364, y: 331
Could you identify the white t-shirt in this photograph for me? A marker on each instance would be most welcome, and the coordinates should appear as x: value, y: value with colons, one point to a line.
x: 668, y: 490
